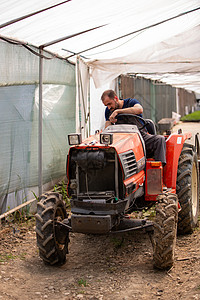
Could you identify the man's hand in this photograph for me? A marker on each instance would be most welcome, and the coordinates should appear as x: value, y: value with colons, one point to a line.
x: 112, y: 117
x: 134, y: 110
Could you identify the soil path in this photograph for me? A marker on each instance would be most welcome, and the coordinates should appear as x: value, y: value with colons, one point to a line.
x: 98, y: 267
x: 193, y: 127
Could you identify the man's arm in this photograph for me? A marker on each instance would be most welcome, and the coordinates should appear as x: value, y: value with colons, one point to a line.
x: 107, y: 123
x: 134, y: 110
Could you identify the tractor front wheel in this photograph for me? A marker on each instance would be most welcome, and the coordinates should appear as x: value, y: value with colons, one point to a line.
x: 165, y: 230
x: 52, y: 240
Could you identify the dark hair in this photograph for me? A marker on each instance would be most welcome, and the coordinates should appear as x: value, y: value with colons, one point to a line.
x: 109, y: 93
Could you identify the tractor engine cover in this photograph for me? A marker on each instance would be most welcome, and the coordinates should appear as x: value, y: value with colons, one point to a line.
x: 90, y: 159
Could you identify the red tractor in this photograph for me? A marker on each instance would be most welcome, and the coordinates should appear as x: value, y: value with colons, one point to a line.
x: 109, y: 177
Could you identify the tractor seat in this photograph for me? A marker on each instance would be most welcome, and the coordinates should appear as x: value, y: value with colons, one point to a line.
x: 151, y: 127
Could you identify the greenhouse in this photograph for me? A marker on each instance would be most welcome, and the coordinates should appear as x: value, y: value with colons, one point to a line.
x: 56, y: 59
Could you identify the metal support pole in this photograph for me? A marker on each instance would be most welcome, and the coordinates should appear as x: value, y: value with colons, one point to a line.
x: 153, y: 101
x: 89, y: 125
x: 78, y: 94
x: 116, y: 177
x: 40, y: 124
x: 177, y: 101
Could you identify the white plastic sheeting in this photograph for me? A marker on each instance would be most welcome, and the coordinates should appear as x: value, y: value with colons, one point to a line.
x: 174, y: 61
x: 19, y: 136
x: 148, y: 49
x: 19, y: 104
x: 19, y: 66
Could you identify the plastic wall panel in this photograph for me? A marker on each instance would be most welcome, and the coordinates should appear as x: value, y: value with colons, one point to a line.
x: 20, y: 66
x: 158, y: 100
x: 19, y: 138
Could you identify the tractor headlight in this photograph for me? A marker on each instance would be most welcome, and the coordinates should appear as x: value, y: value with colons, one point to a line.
x: 74, y: 139
x: 106, y: 138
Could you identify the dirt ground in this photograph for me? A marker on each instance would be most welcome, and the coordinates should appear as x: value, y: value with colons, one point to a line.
x: 98, y: 267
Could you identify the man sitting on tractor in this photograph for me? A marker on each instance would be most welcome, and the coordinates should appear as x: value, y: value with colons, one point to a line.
x: 154, y: 144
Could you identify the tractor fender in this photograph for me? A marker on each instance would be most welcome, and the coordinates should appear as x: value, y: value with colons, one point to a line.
x: 174, y: 145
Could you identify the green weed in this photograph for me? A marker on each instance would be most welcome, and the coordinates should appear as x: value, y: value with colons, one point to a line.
x: 19, y: 216
x: 149, y: 214
x: 10, y: 256
x: 81, y: 292
x: 22, y: 256
x: 82, y: 282
x: 117, y: 242
x: 61, y: 188
x: 37, y: 198
x: 7, y: 257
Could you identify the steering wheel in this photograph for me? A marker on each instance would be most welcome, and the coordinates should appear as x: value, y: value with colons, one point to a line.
x: 130, y: 119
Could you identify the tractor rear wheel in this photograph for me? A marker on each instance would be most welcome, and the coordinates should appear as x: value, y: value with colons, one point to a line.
x: 165, y: 230
x: 51, y: 240
x: 187, y: 187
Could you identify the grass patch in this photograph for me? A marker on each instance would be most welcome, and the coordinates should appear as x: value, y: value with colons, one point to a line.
x: 193, y: 117
x: 22, y: 256
x: 7, y: 257
x: 21, y: 217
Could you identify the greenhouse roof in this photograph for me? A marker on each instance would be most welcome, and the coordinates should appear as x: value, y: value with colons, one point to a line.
x: 156, y: 39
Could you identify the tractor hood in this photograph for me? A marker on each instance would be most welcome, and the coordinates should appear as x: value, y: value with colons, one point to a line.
x: 125, y: 138
x: 97, y: 167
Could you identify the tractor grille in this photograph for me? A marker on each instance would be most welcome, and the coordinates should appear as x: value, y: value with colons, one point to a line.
x: 129, y: 163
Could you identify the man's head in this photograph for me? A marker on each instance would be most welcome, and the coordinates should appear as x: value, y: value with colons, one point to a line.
x: 110, y: 99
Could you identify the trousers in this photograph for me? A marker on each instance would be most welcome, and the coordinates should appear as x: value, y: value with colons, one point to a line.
x: 155, y: 146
